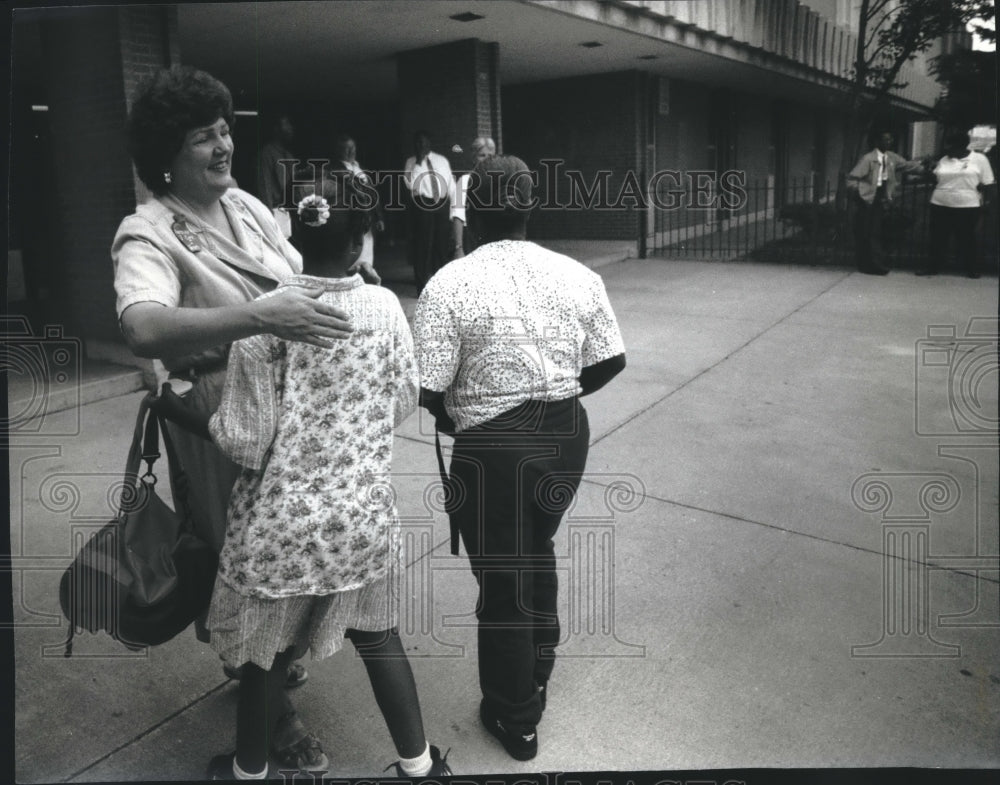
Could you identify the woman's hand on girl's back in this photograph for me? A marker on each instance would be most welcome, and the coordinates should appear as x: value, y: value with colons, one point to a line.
x: 296, y: 315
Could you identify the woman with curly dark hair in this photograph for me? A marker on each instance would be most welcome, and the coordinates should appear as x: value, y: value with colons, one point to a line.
x: 190, y: 264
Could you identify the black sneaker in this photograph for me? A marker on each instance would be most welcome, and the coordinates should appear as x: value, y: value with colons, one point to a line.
x: 439, y: 766
x: 520, y: 745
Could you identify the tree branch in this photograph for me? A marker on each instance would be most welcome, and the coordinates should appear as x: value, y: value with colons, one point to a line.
x: 887, y: 17
x: 874, y: 9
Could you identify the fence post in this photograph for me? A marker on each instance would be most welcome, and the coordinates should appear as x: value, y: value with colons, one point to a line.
x: 814, y: 208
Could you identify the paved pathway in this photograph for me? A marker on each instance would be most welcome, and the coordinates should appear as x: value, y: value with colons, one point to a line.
x: 791, y: 453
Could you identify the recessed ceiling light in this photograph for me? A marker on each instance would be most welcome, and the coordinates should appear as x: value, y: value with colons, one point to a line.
x: 468, y: 16
x: 591, y: 44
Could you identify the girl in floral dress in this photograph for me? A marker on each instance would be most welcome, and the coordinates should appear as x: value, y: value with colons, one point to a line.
x: 311, y: 554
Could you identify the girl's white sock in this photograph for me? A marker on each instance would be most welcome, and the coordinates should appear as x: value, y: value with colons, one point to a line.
x: 242, y: 775
x: 419, y: 766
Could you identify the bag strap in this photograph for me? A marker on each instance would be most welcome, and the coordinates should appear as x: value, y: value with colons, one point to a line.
x: 136, y: 450
x: 151, y: 446
x: 146, y: 447
x: 446, y: 483
x: 135, y: 453
x: 178, y: 477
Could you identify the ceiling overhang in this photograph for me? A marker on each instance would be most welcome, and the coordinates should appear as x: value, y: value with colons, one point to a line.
x: 347, y: 50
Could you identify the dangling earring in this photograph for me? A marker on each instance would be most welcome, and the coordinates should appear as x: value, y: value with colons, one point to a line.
x: 167, y: 178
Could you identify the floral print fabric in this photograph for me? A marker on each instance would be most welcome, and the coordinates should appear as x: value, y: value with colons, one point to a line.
x: 508, y: 323
x: 313, y: 512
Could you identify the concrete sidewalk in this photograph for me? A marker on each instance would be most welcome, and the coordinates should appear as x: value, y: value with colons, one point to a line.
x: 784, y: 555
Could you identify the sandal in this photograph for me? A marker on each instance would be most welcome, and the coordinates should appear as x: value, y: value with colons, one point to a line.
x: 297, y: 675
x: 295, y: 748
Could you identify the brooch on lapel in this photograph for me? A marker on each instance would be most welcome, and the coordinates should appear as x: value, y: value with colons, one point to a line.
x: 185, y: 235
x: 236, y: 203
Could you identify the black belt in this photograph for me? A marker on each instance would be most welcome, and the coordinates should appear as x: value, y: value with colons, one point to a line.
x: 530, y: 417
x: 428, y: 202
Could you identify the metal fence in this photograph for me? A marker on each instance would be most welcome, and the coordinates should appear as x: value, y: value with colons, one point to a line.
x: 799, y: 223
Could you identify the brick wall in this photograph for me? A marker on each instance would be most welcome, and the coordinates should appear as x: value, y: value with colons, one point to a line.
x: 93, y: 61
x: 754, y: 139
x: 592, y: 124
x: 488, y: 114
x: 684, y: 139
x: 450, y: 91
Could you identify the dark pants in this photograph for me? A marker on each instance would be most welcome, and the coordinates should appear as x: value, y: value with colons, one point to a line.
x: 430, y: 237
x: 518, y: 474
x: 960, y: 223
x: 470, y: 240
x: 868, y: 238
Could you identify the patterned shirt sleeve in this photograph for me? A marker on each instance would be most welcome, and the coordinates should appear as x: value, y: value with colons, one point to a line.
x: 246, y: 421
x: 405, y: 367
x: 437, y: 340
x: 144, y: 272
x: 602, y: 337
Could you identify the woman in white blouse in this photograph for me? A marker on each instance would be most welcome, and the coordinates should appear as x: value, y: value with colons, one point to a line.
x: 964, y: 186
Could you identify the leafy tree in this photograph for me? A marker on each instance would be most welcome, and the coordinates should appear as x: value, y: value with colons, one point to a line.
x: 891, y: 33
x: 970, y: 80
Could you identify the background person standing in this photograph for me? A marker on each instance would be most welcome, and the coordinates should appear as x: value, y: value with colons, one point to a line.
x: 482, y: 148
x: 428, y: 179
x: 272, y: 175
x: 875, y: 181
x: 965, y: 185
x: 347, y: 152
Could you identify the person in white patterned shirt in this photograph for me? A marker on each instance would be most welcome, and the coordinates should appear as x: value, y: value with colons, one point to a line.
x: 312, y: 554
x: 507, y: 339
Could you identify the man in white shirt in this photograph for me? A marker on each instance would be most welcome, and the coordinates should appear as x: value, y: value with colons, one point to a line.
x: 875, y: 180
x: 482, y: 148
x: 427, y: 176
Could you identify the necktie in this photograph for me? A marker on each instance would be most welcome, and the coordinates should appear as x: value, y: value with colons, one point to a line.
x: 435, y: 186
